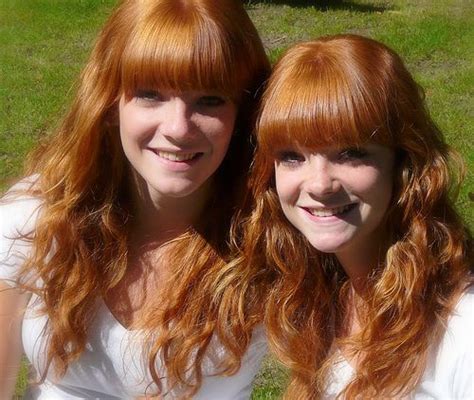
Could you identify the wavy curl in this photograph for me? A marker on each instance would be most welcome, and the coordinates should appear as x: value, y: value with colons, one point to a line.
x: 81, y: 242
x: 350, y: 90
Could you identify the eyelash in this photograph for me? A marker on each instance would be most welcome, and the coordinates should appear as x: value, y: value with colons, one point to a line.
x: 148, y: 95
x: 353, y: 154
x: 203, y: 101
x: 289, y: 157
x: 211, y: 101
x: 293, y: 158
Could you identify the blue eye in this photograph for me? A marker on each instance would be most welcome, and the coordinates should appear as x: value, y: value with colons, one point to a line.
x: 290, y: 157
x: 211, y: 101
x: 148, y: 95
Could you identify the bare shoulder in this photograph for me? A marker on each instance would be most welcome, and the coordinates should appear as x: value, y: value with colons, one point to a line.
x: 19, y: 208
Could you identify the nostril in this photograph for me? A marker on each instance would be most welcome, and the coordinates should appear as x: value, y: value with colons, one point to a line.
x: 322, y: 184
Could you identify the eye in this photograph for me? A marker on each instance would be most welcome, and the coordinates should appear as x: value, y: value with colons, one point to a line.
x: 352, y: 154
x: 211, y: 101
x: 290, y: 157
x: 148, y: 95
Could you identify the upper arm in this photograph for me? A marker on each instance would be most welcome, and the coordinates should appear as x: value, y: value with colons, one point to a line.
x: 13, y: 302
x: 17, y: 217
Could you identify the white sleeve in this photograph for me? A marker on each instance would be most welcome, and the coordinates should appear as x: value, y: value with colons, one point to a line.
x: 18, y: 215
x: 463, y: 334
x: 450, y: 372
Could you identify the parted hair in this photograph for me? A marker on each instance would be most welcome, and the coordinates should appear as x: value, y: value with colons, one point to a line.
x: 82, y: 235
x: 350, y: 90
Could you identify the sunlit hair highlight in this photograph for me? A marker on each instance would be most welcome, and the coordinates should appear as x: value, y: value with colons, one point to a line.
x: 81, y: 242
x: 348, y: 90
x: 316, y: 99
x: 173, y: 46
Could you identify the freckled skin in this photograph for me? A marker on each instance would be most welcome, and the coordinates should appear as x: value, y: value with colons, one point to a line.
x: 175, y: 123
x: 313, y: 186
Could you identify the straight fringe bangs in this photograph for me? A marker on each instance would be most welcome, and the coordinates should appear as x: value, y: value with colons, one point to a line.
x: 181, y: 51
x: 316, y: 101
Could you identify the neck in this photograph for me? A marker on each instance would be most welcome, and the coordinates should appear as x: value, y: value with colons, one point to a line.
x: 160, y: 219
x: 358, y: 270
x: 359, y: 261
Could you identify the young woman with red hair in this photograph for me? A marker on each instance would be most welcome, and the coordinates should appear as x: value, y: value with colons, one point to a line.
x: 114, y: 249
x: 368, y: 264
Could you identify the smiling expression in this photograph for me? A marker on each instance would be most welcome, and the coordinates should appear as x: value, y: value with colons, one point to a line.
x: 337, y: 198
x: 175, y: 141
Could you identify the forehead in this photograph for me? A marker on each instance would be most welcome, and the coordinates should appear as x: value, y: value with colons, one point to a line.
x: 312, y: 134
x: 177, y: 61
x: 315, y: 103
x: 314, y: 120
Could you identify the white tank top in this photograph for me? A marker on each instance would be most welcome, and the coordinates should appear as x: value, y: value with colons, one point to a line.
x: 112, y: 365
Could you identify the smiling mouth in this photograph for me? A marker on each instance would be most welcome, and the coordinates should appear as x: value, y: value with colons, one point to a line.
x: 330, y: 212
x: 177, y: 157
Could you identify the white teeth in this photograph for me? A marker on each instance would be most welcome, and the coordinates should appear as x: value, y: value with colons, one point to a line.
x: 329, y: 212
x: 175, y: 156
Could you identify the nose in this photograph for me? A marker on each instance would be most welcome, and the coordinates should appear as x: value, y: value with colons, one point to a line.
x: 321, y: 178
x: 176, y: 120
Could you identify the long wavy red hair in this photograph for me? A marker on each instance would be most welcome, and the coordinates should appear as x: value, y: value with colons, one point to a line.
x: 350, y: 90
x: 81, y: 239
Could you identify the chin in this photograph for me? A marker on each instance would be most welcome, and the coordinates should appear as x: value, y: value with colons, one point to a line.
x: 329, y: 246
x: 174, y: 189
x: 177, y: 193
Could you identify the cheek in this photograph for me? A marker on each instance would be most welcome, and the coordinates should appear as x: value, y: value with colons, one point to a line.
x: 386, y: 192
x: 385, y: 183
x: 224, y: 132
x: 217, y: 128
x: 135, y: 124
x: 228, y: 117
x: 285, y: 187
x: 368, y: 181
x: 128, y: 126
x: 375, y: 188
x: 217, y: 133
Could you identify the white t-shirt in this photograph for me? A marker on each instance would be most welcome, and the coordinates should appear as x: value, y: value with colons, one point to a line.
x: 449, y: 374
x: 112, y: 365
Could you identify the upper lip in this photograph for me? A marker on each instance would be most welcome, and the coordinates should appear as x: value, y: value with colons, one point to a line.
x: 325, y: 208
x: 174, y: 151
x: 329, y: 211
x: 176, y: 156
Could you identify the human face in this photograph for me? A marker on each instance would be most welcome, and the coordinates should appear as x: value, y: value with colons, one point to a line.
x: 175, y: 141
x: 336, y: 198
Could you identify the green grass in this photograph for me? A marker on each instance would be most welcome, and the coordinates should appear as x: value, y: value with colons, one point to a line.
x: 22, y: 380
x: 43, y: 45
x: 434, y: 37
x: 270, y: 381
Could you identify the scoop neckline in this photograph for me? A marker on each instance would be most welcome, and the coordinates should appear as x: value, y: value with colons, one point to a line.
x: 105, y: 311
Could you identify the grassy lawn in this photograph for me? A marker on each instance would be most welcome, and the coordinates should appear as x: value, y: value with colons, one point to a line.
x: 44, y: 43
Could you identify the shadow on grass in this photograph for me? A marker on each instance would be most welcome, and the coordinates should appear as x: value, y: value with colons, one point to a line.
x: 325, y: 5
